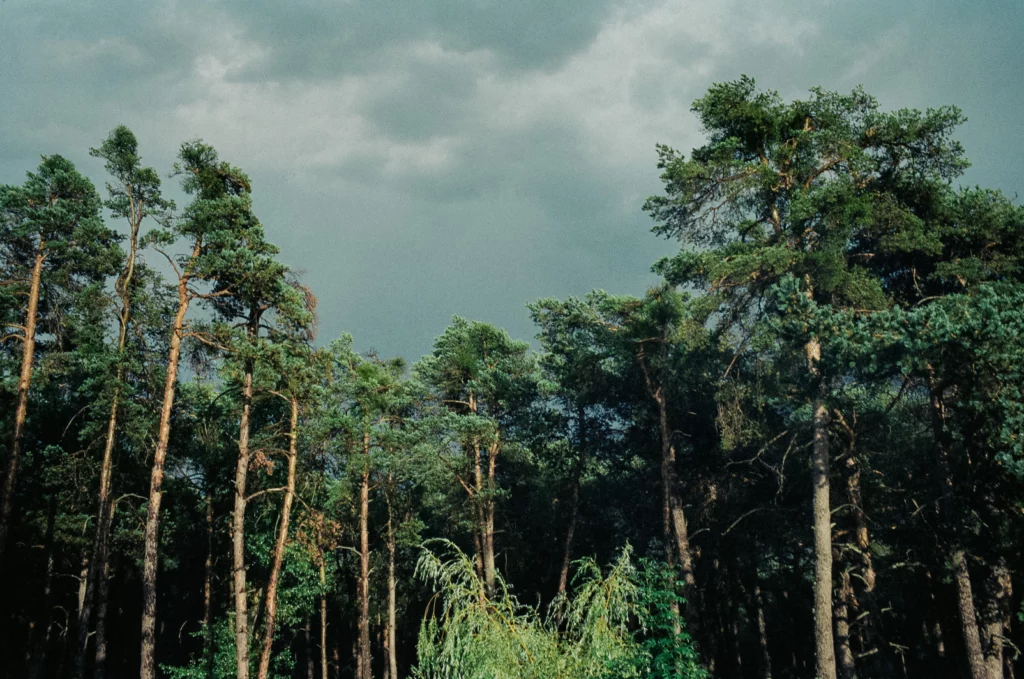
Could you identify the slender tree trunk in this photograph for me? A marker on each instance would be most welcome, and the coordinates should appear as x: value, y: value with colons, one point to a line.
x: 100, y: 555
x: 152, y: 538
x: 282, y: 539
x: 488, y: 527
x: 35, y: 646
x: 825, y: 655
x: 323, y: 620
x: 937, y: 634
x: 762, y: 632
x: 238, y: 531
x: 861, y: 596
x: 392, y: 631
x: 968, y: 621
x: 208, y: 588
x: 674, y: 529
x: 27, y: 357
x: 1007, y: 628
x: 99, y: 567
x: 102, y: 599
x: 825, y: 650
x: 847, y: 665
x: 957, y: 558
x: 364, y: 657
x: 673, y: 519
x: 310, y: 665
x: 994, y: 614
x: 574, y: 500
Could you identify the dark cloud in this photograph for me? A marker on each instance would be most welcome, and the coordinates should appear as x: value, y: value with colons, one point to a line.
x: 418, y: 159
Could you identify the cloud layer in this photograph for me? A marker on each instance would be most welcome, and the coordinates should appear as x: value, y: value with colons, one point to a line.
x: 421, y: 158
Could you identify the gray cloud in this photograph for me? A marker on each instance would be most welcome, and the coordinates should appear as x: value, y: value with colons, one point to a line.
x: 420, y: 158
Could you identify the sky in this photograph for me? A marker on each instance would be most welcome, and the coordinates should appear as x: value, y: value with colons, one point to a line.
x: 418, y: 159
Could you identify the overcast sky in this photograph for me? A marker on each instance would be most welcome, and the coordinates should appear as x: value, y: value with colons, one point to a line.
x: 423, y: 158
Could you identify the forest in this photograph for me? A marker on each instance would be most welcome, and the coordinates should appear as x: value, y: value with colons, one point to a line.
x: 800, y: 454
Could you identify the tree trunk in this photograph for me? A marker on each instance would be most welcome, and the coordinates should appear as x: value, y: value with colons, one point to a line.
x: 310, y: 665
x: 847, y: 665
x: 323, y: 620
x: 363, y: 656
x: 488, y: 527
x: 99, y: 567
x: 100, y: 555
x: 824, y: 645
x: 762, y: 632
x: 156, y: 479
x: 27, y: 357
x: 995, y: 611
x: 208, y: 588
x: 968, y: 621
x: 35, y: 646
x: 574, y: 499
x: 1007, y: 628
x: 861, y: 596
x: 673, y: 519
x: 957, y: 558
x: 392, y: 632
x: 102, y: 599
x: 282, y: 539
x: 238, y: 517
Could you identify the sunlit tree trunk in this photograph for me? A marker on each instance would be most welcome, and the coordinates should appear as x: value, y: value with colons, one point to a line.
x: 363, y: 669
x: 238, y: 564
x: 847, y: 665
x: 151, y: 538
x: 392, y: 630
x: 24, y: 380
x: 824, y: 644
x: 282, y: 539
x: 100, y: 553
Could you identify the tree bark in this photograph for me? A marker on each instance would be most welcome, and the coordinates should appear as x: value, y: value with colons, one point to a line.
x: 100, y: 556
x: 957, y: 558
x: 968, y: 621
x: 995, y: 609
x: 208, y: 588
x: 35, y: 648
x: 847, y: 665
x: 825, y: 650
x: 392, y: 631
x: 825, y: 655
x: 762, y: 632
x: 674, y: 529
x: 310, y: 665
x: 323, y: 620
x: 574, y: 500
x: 151, y: 539
x: 238, y: 530
x: 364, y: 657
x: 21, y: 410
x: 488, y: 527
x: 282, y: 539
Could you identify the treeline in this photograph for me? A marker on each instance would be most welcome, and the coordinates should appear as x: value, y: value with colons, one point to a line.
x: 799, y: 455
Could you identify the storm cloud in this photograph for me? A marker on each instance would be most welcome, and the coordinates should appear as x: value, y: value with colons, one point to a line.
x: 418, y: 159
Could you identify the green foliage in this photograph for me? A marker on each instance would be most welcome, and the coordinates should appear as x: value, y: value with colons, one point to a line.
x: 616, y: 625
x: 223, y: 665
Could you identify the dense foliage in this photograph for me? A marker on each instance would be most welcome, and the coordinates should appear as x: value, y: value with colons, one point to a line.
x: 798, y: 455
